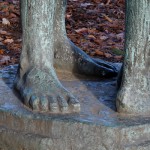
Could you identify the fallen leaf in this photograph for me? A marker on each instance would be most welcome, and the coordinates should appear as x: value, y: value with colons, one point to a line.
x: 108, y: 2
x: 107, y: 55
x: 1, y: 39
x: 4, y: 59
x: 91, y: 37
x: 8, y: 41
x: 12, y: 15
x: 120, y: 35
x: 5, y: 21
x: 103, y: 38
x: 98, y: 52
x: 3, y: 32
x: 1, y: 51
x: 85, y: 4
x: 68, y: 16
x: 81, y: 30
x: 107, y: 18
x: 99, y: 42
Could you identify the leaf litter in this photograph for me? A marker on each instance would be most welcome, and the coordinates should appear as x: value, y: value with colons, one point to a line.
x: 96, y: 26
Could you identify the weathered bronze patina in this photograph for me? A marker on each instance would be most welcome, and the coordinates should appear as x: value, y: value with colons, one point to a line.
x: 45, y: 42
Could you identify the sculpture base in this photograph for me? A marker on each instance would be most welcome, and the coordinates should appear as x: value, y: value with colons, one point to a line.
x: 96, y: 127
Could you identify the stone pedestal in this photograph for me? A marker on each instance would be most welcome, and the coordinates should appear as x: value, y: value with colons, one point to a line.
x: 96, y: 127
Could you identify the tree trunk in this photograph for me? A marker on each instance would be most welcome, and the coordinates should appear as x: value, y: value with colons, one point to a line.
x: 134, y: 94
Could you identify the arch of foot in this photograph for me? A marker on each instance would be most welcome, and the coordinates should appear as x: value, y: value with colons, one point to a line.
x: 134, y: 94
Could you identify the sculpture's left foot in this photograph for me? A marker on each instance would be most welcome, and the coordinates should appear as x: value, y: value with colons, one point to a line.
x: 73, y: 59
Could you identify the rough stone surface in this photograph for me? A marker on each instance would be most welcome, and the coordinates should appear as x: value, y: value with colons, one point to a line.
x: 96, y: 127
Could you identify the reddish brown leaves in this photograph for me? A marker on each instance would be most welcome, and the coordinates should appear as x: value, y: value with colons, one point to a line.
x: 10, y: 32
x: 96, y: 26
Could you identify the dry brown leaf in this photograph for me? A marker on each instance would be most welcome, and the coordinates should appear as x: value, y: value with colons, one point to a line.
x: 92, y: 31
x: 3, y: 32
x: 12, y: 15
x: 107, y: 18
x: 108, y: 2
x: 91, y: 37
x: 1, y: 51
x: 5, y: 21
x: 8, y: 41
x: 1, y: 39
x: 85, y: 4
x: 81, y: 30
x: 99, y: 42
x: 107, y: 55
x: 120, y: 36
x: 103, y: 38
x: 98, y: 52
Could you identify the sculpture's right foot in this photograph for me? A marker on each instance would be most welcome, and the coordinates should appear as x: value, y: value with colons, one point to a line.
x: 42, y: 91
